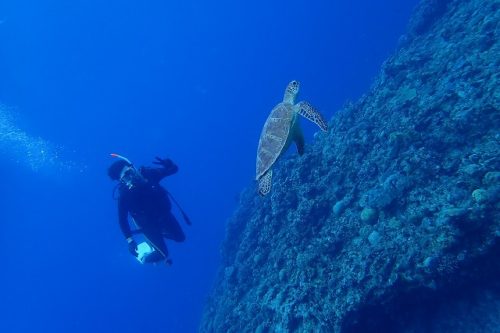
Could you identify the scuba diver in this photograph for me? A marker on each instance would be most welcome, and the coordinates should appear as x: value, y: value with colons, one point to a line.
x: 141, y: 195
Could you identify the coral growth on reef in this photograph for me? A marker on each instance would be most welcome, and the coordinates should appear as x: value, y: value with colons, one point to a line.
x: 394, y: 214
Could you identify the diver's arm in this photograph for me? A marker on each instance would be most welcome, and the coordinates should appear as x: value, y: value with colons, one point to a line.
x: 123, y: 219
x: 157, y: 174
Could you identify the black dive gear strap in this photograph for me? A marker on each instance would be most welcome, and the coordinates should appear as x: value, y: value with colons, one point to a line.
x: 184, y: 215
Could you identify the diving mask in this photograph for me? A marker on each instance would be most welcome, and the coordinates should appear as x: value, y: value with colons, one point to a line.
x: 130, y: 176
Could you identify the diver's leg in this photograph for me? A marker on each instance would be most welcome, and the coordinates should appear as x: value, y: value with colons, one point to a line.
x: 172, y: 230
x: 155, y: 238
x: 154, y: 257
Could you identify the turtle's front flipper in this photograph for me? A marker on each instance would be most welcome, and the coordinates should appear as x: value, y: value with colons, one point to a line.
x: 307, y: 111
x: 265, y: 183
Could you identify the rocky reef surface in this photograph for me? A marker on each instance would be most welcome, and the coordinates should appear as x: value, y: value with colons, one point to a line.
x: 390, y: 222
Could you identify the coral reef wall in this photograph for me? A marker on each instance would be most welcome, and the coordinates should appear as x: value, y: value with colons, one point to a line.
x: 391, y: 220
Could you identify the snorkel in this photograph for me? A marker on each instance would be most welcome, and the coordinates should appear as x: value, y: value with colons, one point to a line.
x: 122, y: 158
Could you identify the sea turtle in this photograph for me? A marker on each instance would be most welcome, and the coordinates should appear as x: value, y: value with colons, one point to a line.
x: 281, y: 128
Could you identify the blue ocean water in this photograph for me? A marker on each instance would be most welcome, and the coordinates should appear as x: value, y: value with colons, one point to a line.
x: 189, y: 80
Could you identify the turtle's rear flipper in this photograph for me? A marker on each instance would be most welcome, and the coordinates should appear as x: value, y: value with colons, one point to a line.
x: 265, y: 183
x: 299, y: 140
x: 308, y: 112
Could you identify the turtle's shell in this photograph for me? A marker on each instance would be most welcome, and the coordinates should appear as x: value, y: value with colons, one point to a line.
x: 274, y: 136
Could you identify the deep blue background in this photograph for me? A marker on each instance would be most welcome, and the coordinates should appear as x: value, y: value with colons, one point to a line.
x: 192, y: 80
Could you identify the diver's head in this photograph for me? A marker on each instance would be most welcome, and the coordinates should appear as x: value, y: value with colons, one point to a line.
x: 124, y: 171
x: 115, y: 169
x: 130, y: 177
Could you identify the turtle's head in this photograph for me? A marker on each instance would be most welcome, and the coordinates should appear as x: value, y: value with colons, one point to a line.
x: 291, y: 92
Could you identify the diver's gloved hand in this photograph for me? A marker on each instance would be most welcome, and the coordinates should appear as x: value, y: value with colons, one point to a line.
x: 164, y: 162
x: 132, y: 246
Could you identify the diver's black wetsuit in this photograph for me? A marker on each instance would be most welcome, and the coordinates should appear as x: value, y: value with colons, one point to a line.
x: 149, y: 206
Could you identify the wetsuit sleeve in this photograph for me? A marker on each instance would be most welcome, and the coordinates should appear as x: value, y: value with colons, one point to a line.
x: 123, y: 219
x: 157, y: 174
